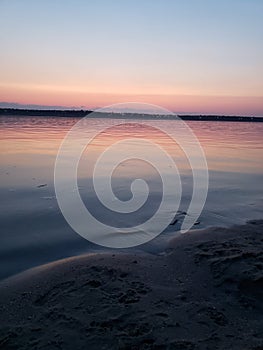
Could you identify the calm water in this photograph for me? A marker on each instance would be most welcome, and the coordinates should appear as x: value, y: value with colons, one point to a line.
x: 33, y: 230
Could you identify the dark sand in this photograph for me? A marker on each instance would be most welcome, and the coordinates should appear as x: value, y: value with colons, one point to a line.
x: 204, y: 292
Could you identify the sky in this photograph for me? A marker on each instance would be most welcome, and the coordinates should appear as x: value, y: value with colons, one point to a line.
x: 199, y: 56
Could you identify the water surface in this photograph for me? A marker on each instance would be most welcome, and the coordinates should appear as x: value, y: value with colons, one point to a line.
x: 33, y: 230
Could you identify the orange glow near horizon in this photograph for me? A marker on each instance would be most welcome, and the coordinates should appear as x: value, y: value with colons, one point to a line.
x: 189, y: 58
x: 178, y: 103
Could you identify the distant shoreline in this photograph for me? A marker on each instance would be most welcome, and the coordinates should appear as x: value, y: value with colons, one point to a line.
x: 83, y: 113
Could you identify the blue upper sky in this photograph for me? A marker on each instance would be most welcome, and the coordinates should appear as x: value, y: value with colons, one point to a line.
x: 181, y: 54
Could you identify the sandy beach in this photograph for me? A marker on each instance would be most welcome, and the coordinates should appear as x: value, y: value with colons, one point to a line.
x: 131, y: 168
x: 204, y: 292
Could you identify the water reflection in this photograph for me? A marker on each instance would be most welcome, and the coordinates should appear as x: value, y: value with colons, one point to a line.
x: 32, y: 229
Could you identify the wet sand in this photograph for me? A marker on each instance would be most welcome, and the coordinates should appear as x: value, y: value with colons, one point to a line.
x: 204, y: 292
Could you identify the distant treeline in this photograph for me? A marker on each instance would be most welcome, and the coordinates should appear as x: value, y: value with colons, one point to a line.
x: 83, y: 113
x: 43, y: 112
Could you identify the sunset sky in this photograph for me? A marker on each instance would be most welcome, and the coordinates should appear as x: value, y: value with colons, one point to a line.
x: 188, y: 56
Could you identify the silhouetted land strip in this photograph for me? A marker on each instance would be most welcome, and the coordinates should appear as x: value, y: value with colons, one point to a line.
x: 83, y: 113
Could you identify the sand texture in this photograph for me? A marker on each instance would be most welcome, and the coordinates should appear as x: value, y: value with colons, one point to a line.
x: 204, y: 292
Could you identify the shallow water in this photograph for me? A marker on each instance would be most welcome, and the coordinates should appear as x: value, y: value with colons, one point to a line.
x: 33, y: 230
